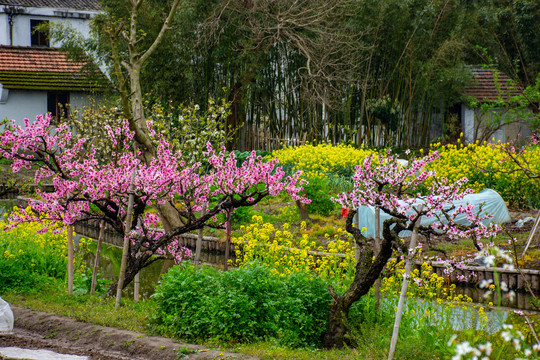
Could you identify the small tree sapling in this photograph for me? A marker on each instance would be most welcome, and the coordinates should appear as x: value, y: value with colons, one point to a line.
x: 398, y: 190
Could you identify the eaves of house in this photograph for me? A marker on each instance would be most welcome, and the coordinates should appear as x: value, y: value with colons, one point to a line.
x: 35, y: 68
x: 491, y: 85
x: 86, y: 5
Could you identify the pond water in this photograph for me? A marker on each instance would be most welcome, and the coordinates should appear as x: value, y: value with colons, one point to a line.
x: 111, y: 257
x: 110, y: 268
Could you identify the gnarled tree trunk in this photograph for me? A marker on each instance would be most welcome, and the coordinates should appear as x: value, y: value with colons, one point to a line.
x: 366, y: 272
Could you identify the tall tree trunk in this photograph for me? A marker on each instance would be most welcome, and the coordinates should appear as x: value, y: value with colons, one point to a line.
x: 367, y: 271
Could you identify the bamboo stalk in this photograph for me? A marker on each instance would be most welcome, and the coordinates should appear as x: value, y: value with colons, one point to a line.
x: 125, y: 249
x: 70, y: 259
x: 403, y: 294
x: 98, y: 256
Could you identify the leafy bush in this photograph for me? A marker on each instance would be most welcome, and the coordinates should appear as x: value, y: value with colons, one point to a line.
x: 82, y: 283
x: 317, y: 190
x: 242, y: 215
x: 243, y: 305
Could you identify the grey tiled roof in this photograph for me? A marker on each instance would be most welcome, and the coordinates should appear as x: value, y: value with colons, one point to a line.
x: 60, y: 4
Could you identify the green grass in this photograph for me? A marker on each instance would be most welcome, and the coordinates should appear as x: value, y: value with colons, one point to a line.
x: 90, y: 309
x: 373, y: 339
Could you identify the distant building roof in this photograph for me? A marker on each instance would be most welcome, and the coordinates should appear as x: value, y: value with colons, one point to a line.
x: 34, y: 68
x: 491, y: 85
x: 90, y: 5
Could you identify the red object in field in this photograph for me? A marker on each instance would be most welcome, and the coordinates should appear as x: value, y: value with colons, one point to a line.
x: 344, y: 212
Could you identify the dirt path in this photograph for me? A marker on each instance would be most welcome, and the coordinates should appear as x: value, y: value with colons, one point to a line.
x: 40, y: 330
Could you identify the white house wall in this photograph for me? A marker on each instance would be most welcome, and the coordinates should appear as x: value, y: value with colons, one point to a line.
x: 467, y: 119
x: 4, y: 29
x: 21, y: 23
x: 28, y: 104
x: 23, y: 104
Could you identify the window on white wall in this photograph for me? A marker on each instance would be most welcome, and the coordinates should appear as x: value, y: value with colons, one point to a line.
x: 37, y: 37
x: 58, y: 104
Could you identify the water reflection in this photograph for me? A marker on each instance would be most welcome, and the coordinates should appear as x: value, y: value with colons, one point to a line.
x: 110, y: 268
x: 456, y: 317
x: 521, y: 300
x: 149, y: 276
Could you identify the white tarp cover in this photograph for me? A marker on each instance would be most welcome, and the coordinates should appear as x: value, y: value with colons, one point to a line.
x: 6, y: 318
x: 27, y: 354
x: 493, y: 205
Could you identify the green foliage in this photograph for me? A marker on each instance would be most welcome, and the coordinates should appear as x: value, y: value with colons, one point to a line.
x: 241, y: 156
x: 16, y: 276
x: 25, y: 268
x: 317, y: 190
x: 242, y: 305
x: 386, y: 110
x: 189, y: 129
x: 242, y: 215
x: 82, y: 283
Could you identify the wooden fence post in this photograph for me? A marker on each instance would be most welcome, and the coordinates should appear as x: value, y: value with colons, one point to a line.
x: 125, y: 249
x: 377, y: 249
x: 70, y: 259
x: 228, y: 241
x: 404, y: 285
x: 198, y: 245
x: 98, y: 256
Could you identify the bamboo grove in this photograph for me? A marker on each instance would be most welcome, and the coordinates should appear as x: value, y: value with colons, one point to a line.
x: 371, y: 72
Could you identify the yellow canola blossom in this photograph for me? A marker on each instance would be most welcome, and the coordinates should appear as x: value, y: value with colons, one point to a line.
x: 286, y: 252
x: 318, y: 160
x: 27, y: 238
x: 486, y: 165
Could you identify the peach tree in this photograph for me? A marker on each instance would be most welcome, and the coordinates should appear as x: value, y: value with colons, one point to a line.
x: 88, y: 188
x: 406, y: 192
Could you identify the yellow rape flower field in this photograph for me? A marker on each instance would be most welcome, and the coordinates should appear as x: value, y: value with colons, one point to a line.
x: 487, y: 166
x: 317, y: 160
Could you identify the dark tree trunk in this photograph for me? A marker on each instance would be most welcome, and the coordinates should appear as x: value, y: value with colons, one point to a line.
x: 302, y: 208
x: 134, y: 265
x: 366, y: 273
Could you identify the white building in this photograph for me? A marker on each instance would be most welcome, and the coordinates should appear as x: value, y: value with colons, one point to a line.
x: 36, y: 78
x: 497, y: 123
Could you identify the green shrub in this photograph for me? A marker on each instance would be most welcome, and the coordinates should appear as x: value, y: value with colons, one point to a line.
x: 242, y: 215
x: 242, y: 305
x: 317, y: 190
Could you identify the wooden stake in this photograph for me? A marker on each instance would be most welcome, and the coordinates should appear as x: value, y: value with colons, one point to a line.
x: 377, y: 249
x: 356, y: 249
x: 136, y: 286
x: 403, y: 295
x: 228, y: 241
x: 98, y: 256
x: 198, y: 245
x: 125, y: 249
x: 531, y: 235
x: 70, y: 259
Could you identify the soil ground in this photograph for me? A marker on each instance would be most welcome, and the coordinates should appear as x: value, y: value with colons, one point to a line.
x: 40, y: 330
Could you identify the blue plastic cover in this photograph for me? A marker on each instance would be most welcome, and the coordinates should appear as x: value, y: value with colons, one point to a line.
x: 493, y: 205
